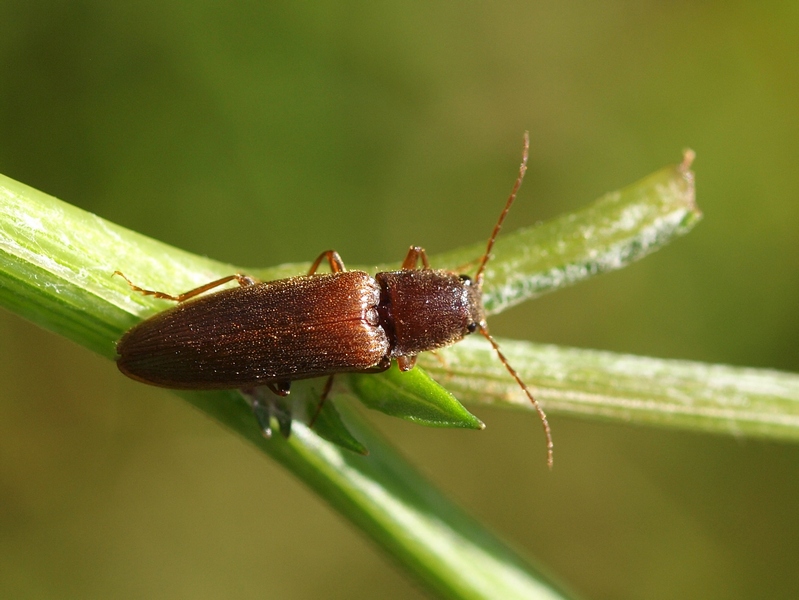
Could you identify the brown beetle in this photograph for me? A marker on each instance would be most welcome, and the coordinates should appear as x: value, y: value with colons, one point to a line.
x: 275, y: 332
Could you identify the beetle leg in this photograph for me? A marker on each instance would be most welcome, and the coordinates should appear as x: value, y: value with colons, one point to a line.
x: 322, y: 398
x: 280, y: 388
x: 333, y: 259
x: 415, y: 253
x: 407, y: 362
x: 243, y: 281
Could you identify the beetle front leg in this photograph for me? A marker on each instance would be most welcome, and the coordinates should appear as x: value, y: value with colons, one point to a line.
x: 415, y: 253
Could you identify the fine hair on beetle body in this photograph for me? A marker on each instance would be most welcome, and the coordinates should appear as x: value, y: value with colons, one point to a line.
x: 320, y: 324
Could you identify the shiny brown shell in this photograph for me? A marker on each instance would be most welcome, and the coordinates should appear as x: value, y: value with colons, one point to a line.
x: 282, y: 330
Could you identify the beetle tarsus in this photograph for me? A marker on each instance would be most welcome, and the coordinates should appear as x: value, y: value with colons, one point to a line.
x: 268, y: 335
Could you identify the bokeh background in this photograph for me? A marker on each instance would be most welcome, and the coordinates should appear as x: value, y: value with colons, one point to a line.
x: 265, y: 132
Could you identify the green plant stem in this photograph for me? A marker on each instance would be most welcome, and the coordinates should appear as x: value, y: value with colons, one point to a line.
x: 630, y: 389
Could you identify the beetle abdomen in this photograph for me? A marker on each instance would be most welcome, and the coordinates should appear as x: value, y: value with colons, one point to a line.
x: 287, y: 329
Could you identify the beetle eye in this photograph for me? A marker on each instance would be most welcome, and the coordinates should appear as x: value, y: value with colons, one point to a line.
x: 465, y: 279
x: 471, y: 327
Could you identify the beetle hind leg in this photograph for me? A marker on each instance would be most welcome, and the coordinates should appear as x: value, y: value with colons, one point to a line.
x: 322, y: 400
x: 242, y: 280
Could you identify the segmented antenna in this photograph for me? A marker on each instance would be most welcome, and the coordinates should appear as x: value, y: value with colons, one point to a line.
x: 479, y: 280
x: 541, y: 414
x: 522, y: 170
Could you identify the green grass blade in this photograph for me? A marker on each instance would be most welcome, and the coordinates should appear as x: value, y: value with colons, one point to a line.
x: 57, y: 261
x: 630, y: 389
x: 619, y: 228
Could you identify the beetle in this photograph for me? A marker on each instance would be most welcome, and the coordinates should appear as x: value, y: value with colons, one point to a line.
x: 320, y: 324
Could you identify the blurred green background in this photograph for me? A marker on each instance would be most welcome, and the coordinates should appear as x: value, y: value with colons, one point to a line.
x: 261, y: 133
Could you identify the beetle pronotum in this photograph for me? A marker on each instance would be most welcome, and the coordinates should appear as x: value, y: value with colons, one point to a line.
x: 272, y: 333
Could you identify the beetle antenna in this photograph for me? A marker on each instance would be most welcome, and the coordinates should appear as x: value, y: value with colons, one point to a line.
x: 522, y: 170
x: 541, y: 414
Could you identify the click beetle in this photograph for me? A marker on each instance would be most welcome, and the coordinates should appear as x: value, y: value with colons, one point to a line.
x: 274, y: 332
